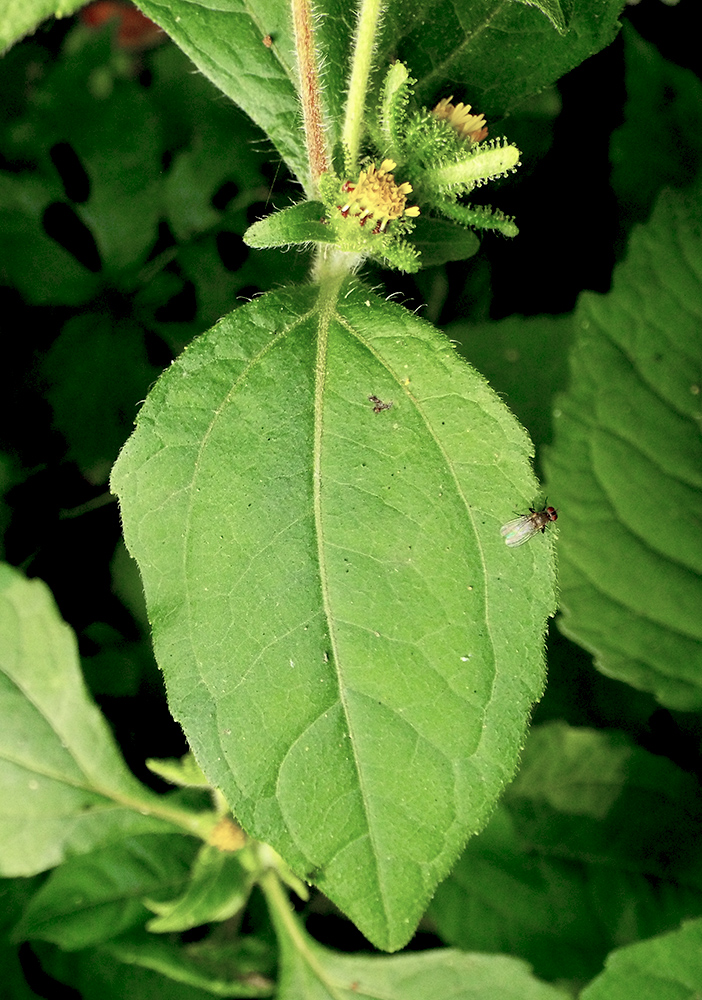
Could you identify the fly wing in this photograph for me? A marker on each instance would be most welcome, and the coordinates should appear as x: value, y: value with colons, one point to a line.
x: 518, y: 531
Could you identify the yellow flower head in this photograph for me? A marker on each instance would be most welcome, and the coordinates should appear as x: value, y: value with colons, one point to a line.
x: 459, y: 117
x: 227, y: 835
x: 377, y: 196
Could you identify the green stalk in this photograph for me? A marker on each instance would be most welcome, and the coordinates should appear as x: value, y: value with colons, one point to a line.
x: 364, y: 43
x: 198, y: 824
x: 286, y: 924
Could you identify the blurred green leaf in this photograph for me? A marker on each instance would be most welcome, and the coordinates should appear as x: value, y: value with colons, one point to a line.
x: 615, y: 802
x: 439, y: 241
x: 65, y: 786
x: 660, y: 142
x: 524, y: 358
x: 225, y: 41
x: 184, y: 771
x: 20, y: 17
x: 226, y: 970
x: 595, y: 845
x: 102, y: 139
x: 41, y: 269
x: 501, y: 897
x: 117, y: 138
x: 213, y: 134
x: 213, y: 158
x: 210, y: 173
x: 348, y: 643
x: 188, y: 199
x: 311, y: 971
x: 97, y: 372
x: 665, y: 968
x: 98, y: 895
x: 218, y: 888
x: 626, y: 464
x: 442, y: 973
x: 85, y: 202
x: 141, y: 967
x: 14, y: 894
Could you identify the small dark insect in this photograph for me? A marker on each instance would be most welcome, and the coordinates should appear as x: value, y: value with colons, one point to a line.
x: 524, y: 527
x: 378, y: 404
x: 267, y: 41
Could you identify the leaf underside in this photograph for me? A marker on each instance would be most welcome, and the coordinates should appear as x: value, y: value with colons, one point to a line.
x: 349, y: 645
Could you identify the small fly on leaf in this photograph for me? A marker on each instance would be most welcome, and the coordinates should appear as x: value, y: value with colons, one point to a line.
x: 378, y: 404
x: 524, y: 527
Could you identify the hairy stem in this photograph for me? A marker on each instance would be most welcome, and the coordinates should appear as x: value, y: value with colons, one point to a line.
x: 364, y: 42
x: 309, y: 91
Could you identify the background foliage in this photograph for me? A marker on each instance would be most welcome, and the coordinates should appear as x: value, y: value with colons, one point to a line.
x: 120, y: 244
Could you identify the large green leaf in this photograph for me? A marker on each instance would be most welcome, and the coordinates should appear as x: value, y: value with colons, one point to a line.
x: 64, y: 785
x: 664, y: 968
x: 626, y: 465
x: 349, y: 644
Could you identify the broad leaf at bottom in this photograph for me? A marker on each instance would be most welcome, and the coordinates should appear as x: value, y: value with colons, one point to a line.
x: 348, y: 643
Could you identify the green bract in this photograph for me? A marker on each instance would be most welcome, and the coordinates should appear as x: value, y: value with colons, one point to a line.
x: 441, y: 156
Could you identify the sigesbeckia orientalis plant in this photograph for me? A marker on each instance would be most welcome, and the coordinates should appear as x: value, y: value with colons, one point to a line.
x: 350, y: 647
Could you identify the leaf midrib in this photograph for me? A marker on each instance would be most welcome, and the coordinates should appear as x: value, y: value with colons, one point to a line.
x: 327, y: 313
